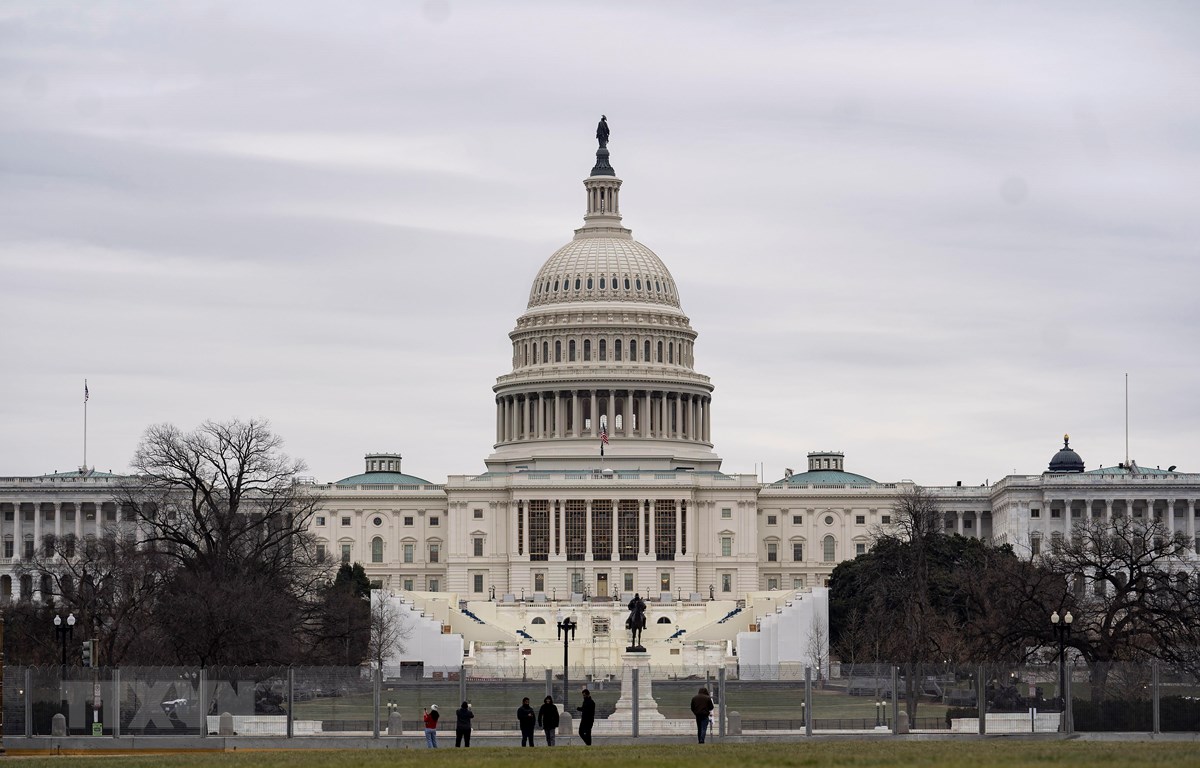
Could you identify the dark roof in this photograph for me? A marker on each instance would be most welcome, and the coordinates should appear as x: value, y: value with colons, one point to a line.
x: 825, y: 477
x: 382, y: 478
x: 1066, y: 460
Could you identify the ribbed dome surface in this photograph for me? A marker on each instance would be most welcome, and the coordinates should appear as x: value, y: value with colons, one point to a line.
x: 603, y: 269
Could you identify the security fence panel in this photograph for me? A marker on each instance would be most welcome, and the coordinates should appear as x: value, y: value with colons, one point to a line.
x: 1178, y: 700
x: 254, y: 697
x: 765, y: 699
x: 1113, y: 696
x: 495, y: 698
x: 335, y: 700
x: 160, y: 701
x: 410, y: 694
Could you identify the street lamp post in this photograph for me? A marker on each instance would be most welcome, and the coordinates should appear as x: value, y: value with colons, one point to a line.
x: 878, y: 712
x: 64, y: 631
x: 1062, y: 630
x: 566, y: 632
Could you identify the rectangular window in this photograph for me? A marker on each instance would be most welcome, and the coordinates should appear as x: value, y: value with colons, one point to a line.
x: 860, y: 519
x: 1055, y: 513
x: 664, y: 581
x: 968, y: 524
x: 345, y: 554
x: 772, y: 552
x: 408, y: 521
x: 433, y: 522
x: 726, y: 546
x: 539, y: 529
x: 664, y: 529
x: 408, y: 553
x: 8, y: 548
x: 409, y: 584
x: 320, y: 519
x: 773, y: 583
x: 1035, y: 513
x: 376, y: 583
x: 520, y: 530
x: 8, y: 515
x: 433, y: 584
x: 1035, y: 545
x: 477, y: 583
x: 726, y: 582
x: 627, y: 528
x: 885, y: 519
x: 798, y: 551
x: 726, y: 513
x: 797, y: 582
x: 771, y: 519
x: 576, y: 532
x: 860, y: 549
x: 479, y: 514
x: 346, y: 522
x: 602, y: 510
x: 628, y: 580
x: 434, y: 552
x: 320, y: 553
x: 797, y: 519
x: 477, y: 543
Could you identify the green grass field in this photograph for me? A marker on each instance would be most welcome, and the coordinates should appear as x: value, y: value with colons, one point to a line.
x: 949, y: 754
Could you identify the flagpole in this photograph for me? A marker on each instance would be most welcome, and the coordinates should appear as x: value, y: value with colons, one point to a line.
x: 85, y: 399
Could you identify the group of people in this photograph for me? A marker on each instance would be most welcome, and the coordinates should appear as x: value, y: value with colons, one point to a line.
x: 546, y: 717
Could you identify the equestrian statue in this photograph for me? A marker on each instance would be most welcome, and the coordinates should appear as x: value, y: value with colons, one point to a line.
x: 636, y: 623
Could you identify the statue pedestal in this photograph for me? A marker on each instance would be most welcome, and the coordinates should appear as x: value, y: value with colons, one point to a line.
x: 650, y: 720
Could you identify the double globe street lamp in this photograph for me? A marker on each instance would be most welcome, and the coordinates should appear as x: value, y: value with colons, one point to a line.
x: 1062, y: 630
x: 566, y: 633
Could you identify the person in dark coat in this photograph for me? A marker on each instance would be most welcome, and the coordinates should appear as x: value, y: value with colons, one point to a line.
x: 548, y: 720
x: 587, y: 716
x: 462, y: 727
x: 527, y: 719
x: 702, y: 707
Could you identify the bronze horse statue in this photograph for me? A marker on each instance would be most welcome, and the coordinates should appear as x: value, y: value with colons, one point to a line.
x: 636, y: 621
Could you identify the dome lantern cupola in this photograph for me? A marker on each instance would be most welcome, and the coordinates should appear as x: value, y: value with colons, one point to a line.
x: 1066, y: 460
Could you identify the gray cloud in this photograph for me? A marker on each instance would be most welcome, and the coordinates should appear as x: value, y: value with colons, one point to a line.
x: 934, y: 237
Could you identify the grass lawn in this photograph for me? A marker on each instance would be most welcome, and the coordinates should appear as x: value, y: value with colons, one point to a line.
x: 825, y: 753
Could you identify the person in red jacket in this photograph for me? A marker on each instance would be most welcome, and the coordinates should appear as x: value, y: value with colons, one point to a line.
x: 431, y: 721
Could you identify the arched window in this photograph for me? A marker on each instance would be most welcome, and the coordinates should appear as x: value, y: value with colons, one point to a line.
x: 377, y: 550
x: 602, y: 283
x: 587, y: 350
x: 589, y: 283
x: 535, y: 353
x: 646, y: 356
x: 558, y: 351
x: 545, y: 352
x: 829, y: 546
x: 525, y: 356
x: 617, y: 350
x: 671, y: 353
x: 627, y: 283
x: 538, y: 620
x: 556, y: 285
x: 663, y: 620
x: 603, y: 349
x: 571, y: 351
x: 632, y: 351
x: 577, y: 283
x: 660, y: 350
x: 639, y: 283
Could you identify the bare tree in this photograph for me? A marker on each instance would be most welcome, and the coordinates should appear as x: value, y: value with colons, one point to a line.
x: 818, y: 648
x: 1132, y: 595
x: 390, y: 629
x: 224, y: 509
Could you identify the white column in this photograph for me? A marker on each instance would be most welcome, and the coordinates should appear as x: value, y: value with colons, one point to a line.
x: 18, y: 536
x: 78, y: 524
x: 37, y: 531
x: 576, y: 413
x: 627, y: 414
x: 595, y: 409
x: 677, y: 432
x: 587, y: 552
x: 610, y: 411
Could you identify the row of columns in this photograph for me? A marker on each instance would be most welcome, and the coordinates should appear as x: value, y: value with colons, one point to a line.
x: 640, y: 349
x: 1190, y: 507
x: 18, y: 533
x: 646, y: 529
x: 658, y: 414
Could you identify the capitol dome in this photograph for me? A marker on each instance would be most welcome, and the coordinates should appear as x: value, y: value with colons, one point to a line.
x: 603, y: 356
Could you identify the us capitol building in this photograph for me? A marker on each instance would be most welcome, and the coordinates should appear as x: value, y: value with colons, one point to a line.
x: 604, y: 358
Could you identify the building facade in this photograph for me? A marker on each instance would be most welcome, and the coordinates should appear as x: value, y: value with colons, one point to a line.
x: 603, y: 479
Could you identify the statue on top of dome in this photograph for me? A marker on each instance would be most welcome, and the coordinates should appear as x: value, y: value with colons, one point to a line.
x: 602, y: 132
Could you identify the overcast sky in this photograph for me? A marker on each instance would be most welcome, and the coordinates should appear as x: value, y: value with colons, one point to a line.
x: 932, y: 236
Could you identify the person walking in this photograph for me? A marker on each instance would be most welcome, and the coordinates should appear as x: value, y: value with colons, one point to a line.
x: 548, y: 719
x: 527, y: 719
x: 702, y: 707
x: 462, y: 726
x: 587, y: 716
x: 431, y: 722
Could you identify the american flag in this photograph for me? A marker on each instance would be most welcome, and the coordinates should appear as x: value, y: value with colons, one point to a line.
x: 604, y: 434
x: 85, y: 391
